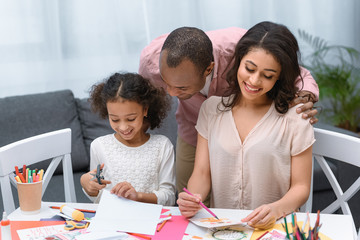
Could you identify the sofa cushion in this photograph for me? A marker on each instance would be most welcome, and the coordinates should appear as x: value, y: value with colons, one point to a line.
x: 29, y: 115
x: 91, y: 124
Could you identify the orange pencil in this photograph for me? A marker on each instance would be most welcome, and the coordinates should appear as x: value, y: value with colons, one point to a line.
x: 34, y: 177
x: 162, y: 224
x: 81, y: 210
x: 140, y: 235
x: 27, y: 175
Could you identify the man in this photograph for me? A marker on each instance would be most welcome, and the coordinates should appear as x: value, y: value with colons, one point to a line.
x: 192, y: 65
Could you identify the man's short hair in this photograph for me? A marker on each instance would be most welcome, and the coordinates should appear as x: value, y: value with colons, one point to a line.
x: 189, y: 43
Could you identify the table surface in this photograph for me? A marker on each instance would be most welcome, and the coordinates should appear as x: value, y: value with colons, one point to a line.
x: 333, y: 225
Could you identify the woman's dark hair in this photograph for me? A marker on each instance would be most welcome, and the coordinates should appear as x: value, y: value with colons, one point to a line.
x: 131, y: 87
x: 189, y: 43
x: 277, y: 40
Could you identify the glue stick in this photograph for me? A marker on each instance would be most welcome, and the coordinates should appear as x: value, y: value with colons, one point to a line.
x: 5, y: 228
x: 71, y: 212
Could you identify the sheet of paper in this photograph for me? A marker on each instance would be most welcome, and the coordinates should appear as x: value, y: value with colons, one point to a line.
x: 40, y: 232
x: 119, y: 214
x: 227, y: 217
x: 105, y: 235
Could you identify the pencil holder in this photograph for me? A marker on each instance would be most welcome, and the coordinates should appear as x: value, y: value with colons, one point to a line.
x: 30, y: 197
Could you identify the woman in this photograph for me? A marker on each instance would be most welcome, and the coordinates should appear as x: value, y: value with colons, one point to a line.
x: 253, y: 151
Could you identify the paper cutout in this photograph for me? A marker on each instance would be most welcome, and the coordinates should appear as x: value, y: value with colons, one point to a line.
x: 229, y: 218
x: 40, y: 232
x: 274, y: 235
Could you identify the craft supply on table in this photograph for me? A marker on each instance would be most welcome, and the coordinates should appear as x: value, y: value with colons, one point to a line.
x: 71, y: 212
x: 5, y: 228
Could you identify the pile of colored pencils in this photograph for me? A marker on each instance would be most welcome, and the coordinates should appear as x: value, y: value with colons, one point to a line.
x: 304, y: 233
x: 27, y: 175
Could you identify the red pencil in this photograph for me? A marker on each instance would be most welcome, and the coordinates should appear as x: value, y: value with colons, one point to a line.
x: 81, y: 210
x: 16, y: 170
x: 24, y: 171
x: 262, y: 235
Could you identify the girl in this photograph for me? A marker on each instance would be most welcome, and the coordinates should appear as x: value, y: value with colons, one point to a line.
x: 137, y: 165
x: 253, y: 151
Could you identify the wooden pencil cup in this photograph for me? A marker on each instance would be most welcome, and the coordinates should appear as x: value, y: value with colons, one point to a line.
x: 30, y: 197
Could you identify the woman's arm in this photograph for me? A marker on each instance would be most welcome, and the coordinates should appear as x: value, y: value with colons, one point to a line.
x: 200, y: 181
x: 266, y: 215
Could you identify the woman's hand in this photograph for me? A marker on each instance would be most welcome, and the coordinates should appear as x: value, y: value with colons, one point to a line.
x: 126, y: 190
x: 189, y: 205
x: 263, y: 217
x: 92, y: 187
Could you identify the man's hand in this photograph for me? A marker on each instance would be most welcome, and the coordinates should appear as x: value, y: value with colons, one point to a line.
x: 307, y: 110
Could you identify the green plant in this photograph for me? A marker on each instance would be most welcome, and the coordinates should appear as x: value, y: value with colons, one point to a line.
x: 335, y: 71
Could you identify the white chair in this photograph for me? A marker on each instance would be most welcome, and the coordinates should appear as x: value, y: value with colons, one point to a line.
x: 54, y: 145
x: 343, y: 148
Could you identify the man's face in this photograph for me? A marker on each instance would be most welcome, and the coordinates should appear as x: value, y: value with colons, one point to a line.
x: 183, y: 81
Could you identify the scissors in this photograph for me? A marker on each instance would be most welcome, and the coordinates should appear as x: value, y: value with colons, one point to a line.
x: 71, y: 225
x: 98, y: 175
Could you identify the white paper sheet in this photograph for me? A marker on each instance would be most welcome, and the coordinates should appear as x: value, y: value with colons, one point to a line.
x: 119, y: 214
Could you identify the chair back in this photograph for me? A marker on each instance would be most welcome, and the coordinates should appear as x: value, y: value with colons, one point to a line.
x: 54, y: 145
x: 339, y: 147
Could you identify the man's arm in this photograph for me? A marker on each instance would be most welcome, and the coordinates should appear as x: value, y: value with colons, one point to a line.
x: 310, y: 85
x: 308, y: 95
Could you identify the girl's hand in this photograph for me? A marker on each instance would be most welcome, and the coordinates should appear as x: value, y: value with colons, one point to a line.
x: 126, y: 190
x: 189, y: 205
x: 263, y: 217
x: 92, y: 187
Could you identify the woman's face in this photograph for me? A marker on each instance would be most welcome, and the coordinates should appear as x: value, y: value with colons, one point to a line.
x: 257, y: 74
x: 126, y: 119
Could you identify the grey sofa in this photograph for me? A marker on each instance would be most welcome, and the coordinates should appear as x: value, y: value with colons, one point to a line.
x: 29, y: 115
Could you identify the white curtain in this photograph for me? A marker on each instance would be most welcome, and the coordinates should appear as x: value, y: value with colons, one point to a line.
x: 71, y: 44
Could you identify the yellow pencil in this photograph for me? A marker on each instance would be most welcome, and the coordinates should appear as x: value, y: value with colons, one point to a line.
x: 41, y: 174
x: 17, y: 179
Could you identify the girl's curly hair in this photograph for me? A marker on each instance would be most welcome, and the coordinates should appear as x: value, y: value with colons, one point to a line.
x: 131, y: 87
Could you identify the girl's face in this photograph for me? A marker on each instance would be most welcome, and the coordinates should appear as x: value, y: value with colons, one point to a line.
x: 257, y: 74
x: 126, y: 119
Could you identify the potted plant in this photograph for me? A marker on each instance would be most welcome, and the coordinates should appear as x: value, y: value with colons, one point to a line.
x: 335, y: 71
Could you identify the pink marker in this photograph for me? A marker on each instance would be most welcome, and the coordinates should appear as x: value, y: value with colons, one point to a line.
x: 202, y: 204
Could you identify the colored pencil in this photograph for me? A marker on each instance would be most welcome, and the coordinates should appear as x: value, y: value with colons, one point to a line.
x: 286, y: 228
x: 24, y: 171
x: 81, y: 210
x: 202, y: 204
x: 140, y: 235
x: 17, y: 179
x: 162, y: 224
x: 262, y: 235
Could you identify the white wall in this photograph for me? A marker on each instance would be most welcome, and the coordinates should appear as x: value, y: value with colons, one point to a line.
x: 66, y: 44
